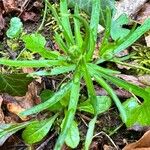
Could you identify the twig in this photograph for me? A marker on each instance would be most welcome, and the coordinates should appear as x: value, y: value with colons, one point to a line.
x: 42, y: 146
x: 103, y: 133
x: 24, y: 5
x: 114, y: 131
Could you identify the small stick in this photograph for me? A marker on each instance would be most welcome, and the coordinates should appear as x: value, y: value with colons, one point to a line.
x: 103, y: 133
x: 41, y: 147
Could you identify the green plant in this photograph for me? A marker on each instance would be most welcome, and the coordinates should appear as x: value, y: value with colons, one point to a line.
x: 76, y: 57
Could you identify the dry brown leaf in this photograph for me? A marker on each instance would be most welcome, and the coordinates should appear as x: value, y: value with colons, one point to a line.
x: 106, y: 147
x: 31, y: 98
x: 141, y: 144
x: 131, y: 79
x: 38, y: 4
x: 27, y: 70
x: 16, y: 109
x: 147, y: 39
x: 119, y: 92
x: 17, y: 104
x: 10, y: 5
x: 130, y: 7
x: 145, y: 79
x: 144, y: 13
x: 1, y: 111
x: 2, y: 21
x: 94, y: 146
x: 29, y: 16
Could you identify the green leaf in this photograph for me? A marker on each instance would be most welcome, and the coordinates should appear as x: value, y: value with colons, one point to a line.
x: 72, y: 139
x: 32, y: 63
x: 104, y: 103
x: 36, y: 131
x: 77, y: 26
x: 89, y: 135
x: 130, y: 104
x: 85, y: 5
x: 95, y: 14
x: 36, y: 43
x: 6, y: 130
x: 50, y: 102
x: 14, y: 84
x: 15, y: 28
x: 65, y: 19
x: 47, y: 94
x: 113, y: 95
x: 117, y: 31
x: 90, y: 89
x: 69, y: 117
x: 61, y: 44
x: 54, y: 71
x: 129, y: 40
x: 95, y: 18
x: 119, y: 82
x: 98, y: 77
x: 139, y: 115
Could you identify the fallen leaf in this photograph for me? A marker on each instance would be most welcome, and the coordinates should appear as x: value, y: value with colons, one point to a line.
x: 38, y: 4
x: 2, y: 21
x: 121, y: 93
x: 129, y: 7
x: 94, y: 145
x: 145, y: 79
x: 17, y: 104
x: 147, y: 39
x: 144, y: 13
x: 107, y: 147
x: 16, y: 109
x: 141, y: 144
x: 1, y: 111
x: 14, y: 84
x: 29, y: 16
x: 27, y: 70
x: 31, y: 98
x: 10, y: 5
x: 13, y: 106
x: 132, y: 79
